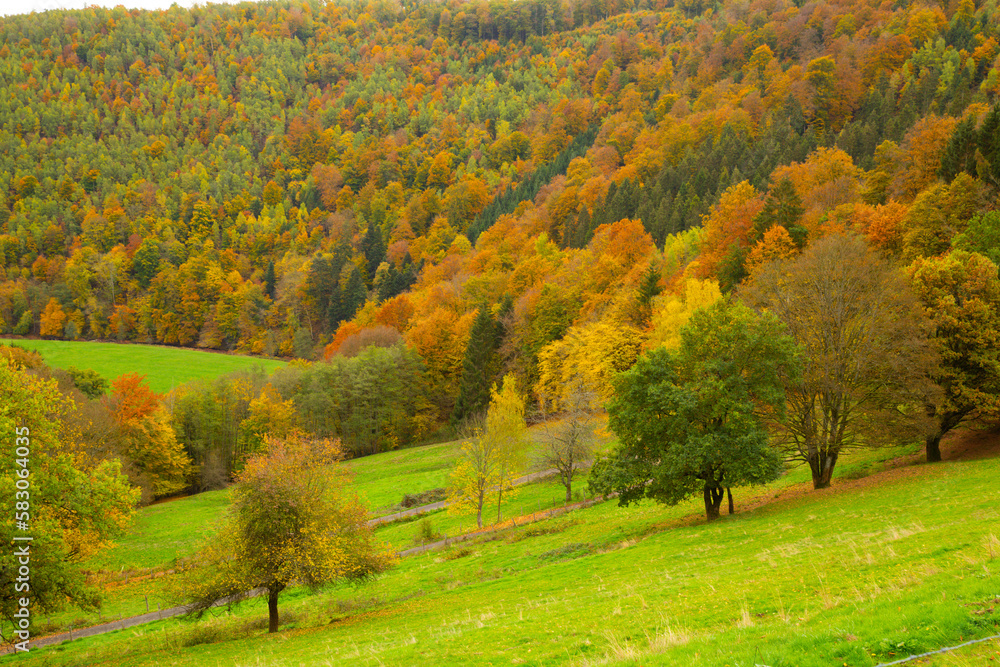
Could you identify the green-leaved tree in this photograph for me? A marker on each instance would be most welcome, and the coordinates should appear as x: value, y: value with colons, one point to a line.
x: 690, y: 420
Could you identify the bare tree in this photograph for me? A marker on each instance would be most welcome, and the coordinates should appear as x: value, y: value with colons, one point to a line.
x: 568, y: 444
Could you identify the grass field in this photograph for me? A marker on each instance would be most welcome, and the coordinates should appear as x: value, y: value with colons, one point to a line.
x: 164, y: 367
x: 899, y: 561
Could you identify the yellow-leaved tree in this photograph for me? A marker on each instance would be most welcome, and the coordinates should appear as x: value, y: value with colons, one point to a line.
x: 494, y: 454
x: 505, y: 423
x: 584, y: 362
x: 292, y: 520
x: 672, y: 311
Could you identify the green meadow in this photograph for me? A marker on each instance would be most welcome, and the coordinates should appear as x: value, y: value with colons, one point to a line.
x: 899, y: 557
x: 164, y: 367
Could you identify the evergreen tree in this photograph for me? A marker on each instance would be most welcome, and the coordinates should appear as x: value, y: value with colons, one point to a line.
x: 649, y: 289
x: 481, y: 366
x: 355, y: 293
x: 269, y: 279
x: 783, y: 206
x: 373, y: 247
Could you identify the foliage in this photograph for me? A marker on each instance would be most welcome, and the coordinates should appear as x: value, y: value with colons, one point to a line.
x: 75, y: 507
x: 671, y: 312
x: 144, y: 437
x: 960, y: 293
x: 290, y: 521
x: 866, y: 354
x: 585, y: 362
x: 372, y: 402
x: 88, y: 381
x: 493, y: 455
x: 690, y: 420
x: 481, y: 366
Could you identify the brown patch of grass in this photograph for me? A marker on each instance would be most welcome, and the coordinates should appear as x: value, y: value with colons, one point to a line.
x: 970, y: 444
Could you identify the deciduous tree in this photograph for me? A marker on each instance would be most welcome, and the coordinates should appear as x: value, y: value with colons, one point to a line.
x: 690, y: 420
x: 866, y: 351
x: 75, y: 507
x: 567, y: 442
x: 493, y: 455
x: 961, y: 295
x: 292, y: 521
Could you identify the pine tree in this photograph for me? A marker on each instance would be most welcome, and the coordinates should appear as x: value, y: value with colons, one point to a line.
x: 783, y: 206
x: 482, y: 364
x: 355, y: 293
x: 373, y: 247
x: 269, y: 279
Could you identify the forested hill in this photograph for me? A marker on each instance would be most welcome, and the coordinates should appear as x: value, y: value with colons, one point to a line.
x: 281, y: 178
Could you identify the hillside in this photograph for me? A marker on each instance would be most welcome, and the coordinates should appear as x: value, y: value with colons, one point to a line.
x: 748, y: 235
x: 165, y: 368
x: 277, y: 178
x: 869, y: 572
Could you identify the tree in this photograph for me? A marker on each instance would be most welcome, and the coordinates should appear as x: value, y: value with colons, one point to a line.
x: 53, y: 318
x: 961, y: 294
x: 569, y: 443
x: 493, y: 454
x: 75, y: 508
x: 481, y: 366
x: 671, y: 312
x: 88, y: 381
x: 866, y: 352
x: 691, y: 420
x: 476, y: 472
x: 144, y: 437
x: 584, y: 362
x: 505, y: 424
x: 981, y: 235
x: 291, y: 521
x: 782, y: 207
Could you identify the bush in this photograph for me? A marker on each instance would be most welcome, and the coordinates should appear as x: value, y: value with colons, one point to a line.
x: 426, y: 532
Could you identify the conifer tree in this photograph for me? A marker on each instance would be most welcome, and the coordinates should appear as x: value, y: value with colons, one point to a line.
x: 481, y: 365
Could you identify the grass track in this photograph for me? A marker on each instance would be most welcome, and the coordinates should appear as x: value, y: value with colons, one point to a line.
x: 164, y: 367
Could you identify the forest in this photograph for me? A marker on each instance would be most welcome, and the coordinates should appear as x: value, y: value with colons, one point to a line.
x: 416, y: 199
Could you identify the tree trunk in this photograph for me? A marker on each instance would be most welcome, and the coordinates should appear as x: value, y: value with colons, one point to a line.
x: 713, y: 500
x: 933, y: 449
x: 499, y: 498
x: 272, y: 607
x: 822, y: 464
x: 729, y: 492
x: 569, y: 493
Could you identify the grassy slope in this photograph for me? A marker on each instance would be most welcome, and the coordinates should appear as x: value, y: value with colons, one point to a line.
x: 164, y: 367
x: 882, y: 566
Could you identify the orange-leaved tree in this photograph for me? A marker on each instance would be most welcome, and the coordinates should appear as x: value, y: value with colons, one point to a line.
x: 144, y: 437
x: 292, y: 520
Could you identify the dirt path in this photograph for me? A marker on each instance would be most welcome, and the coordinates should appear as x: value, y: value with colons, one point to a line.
x: 120, y: 624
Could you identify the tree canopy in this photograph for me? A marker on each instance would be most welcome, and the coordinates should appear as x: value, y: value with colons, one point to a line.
x: 866, y: 353
x: 960, y: 293
x: 691, y: 420
x: 292, y: 521
x: 70, y: 505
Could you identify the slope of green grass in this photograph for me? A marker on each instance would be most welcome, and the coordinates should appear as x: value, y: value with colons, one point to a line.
x: 871, y: 570
x: 164, y: 367
x: 383, y: 479
x: 163, y: 532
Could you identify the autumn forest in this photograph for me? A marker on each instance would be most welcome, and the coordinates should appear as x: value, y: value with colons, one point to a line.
x: 431, y: 195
